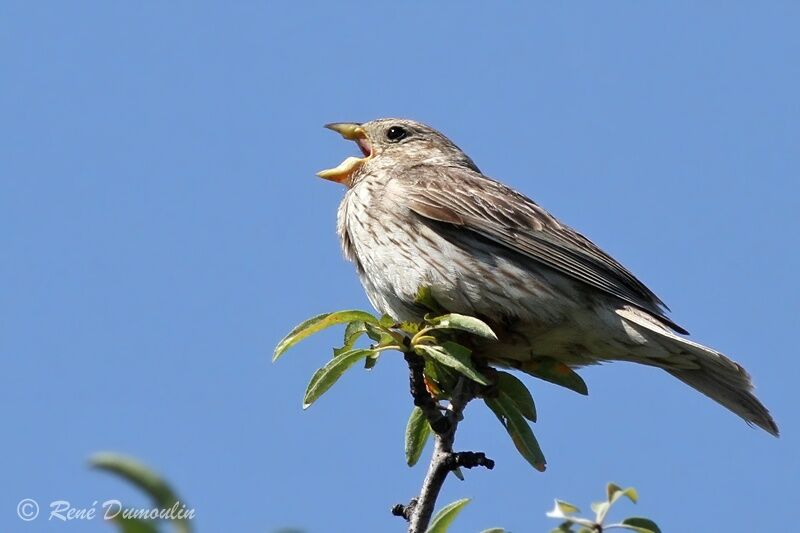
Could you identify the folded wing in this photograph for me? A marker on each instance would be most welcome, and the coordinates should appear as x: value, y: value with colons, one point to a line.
x: 514, y: 221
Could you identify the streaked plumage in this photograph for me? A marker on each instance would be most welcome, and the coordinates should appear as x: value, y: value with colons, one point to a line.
x: 418, y: 212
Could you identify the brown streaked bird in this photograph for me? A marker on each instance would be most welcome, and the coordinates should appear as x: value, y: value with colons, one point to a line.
x: 418, y: 212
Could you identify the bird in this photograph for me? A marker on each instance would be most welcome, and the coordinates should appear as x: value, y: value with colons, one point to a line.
x: 418, y: 212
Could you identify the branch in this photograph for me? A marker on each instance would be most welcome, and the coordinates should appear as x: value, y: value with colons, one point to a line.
x: 444, y: 460
x: 440, y: 424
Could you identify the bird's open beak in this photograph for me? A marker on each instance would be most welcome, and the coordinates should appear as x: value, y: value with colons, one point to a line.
x: 346, y: 168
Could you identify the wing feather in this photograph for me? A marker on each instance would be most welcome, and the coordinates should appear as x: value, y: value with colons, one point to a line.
x: 516, y: 222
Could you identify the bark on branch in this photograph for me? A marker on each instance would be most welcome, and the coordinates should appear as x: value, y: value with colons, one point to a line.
x: 419, y: 510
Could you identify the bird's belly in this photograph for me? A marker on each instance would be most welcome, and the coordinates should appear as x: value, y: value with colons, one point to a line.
x: 535, y: 311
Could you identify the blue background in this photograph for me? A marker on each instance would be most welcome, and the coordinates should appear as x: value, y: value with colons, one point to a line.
x: 162, y: 228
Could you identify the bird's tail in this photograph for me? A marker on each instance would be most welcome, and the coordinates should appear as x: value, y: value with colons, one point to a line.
x: 706, y: 370
x: 729, y: 385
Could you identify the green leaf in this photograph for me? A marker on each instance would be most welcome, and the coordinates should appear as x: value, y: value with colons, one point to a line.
x: 352, y: 332
x: 375, y: 333
x: 566, y: 527
x: 641, y: 525
x: 411, y: 328
x: 455, y: 356
x: 439, y: 378
x: 145, y: 479
x: 600, y: 510
x: 417, y: 432
x: 441, y: 522
x: 315, y: 377
x: 517, y: 427
x: 324, y: 378
x: 134, y: 525
x: 518, y: 392
x: 425, y: 298
x: 136, y: 473
x: 562, y: 509
x: 318, y: 323
x: 433, y: 370
x: 464, y: 323
x: 494, y: 530
x: 555, y: 371
x: 571, y: 521
x: 615, y: 492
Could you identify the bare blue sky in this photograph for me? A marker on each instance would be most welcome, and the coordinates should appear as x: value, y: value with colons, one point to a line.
x: 162, y: 228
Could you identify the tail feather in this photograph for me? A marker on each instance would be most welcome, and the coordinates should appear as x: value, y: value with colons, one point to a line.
x: 730, y: 388
x: 723, y: 380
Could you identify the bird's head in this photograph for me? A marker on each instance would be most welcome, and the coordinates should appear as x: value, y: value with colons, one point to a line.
x: 389, y: 143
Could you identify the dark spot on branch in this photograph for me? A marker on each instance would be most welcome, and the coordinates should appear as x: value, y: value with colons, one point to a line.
x: 404, y: 511
x: 468, y: 460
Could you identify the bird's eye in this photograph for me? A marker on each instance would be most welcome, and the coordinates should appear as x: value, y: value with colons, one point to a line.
x: 395, y: 133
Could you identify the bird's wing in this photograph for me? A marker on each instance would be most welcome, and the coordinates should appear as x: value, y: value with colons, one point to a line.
x: 465, y: 198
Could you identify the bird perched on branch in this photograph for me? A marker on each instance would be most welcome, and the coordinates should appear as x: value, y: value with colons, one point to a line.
x: 419, y: 213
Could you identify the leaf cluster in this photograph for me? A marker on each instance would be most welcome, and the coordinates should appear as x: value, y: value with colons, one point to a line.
x: 162, y: 496
x: 445, y: 343
x: 567, y: 512
x: 442, y: 342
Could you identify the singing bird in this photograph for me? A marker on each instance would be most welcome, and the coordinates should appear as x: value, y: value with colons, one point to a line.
x: 419, y: 213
